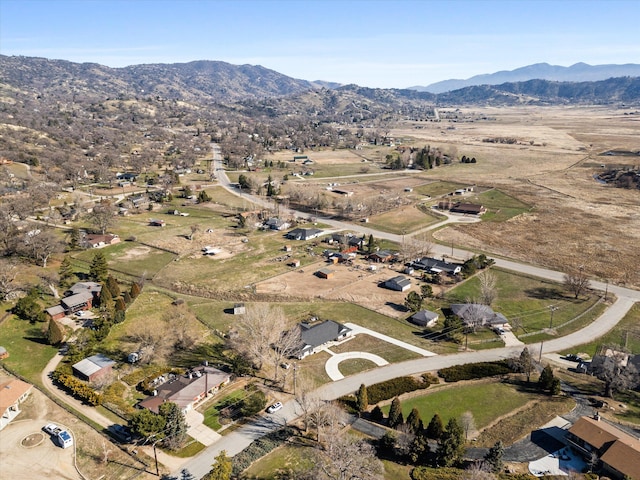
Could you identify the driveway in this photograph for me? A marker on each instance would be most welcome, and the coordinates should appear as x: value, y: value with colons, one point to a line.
x: 385, y: 338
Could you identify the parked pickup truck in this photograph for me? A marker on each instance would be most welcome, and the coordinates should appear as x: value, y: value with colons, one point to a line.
x: 62, y: 437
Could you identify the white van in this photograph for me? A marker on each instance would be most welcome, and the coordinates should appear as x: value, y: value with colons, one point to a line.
x: 65, y: 439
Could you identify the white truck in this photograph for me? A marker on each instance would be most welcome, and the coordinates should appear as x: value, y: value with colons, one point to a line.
x: 62, y: 437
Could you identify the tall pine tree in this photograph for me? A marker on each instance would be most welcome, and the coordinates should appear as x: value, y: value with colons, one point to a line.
x: 362, y: 401
x: 98, y: 270
x: 395, y: 413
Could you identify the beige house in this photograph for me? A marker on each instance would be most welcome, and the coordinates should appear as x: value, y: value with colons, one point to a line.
x: 12, y: 393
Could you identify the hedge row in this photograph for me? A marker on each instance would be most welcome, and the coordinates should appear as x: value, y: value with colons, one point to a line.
x: 448, y: 473
x: 259, y: 448
x: 78, y: 388
x: 472, y: 371
x: 397, y: 386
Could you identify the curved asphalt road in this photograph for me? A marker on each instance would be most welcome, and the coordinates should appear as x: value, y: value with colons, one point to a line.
x: 236, y: 441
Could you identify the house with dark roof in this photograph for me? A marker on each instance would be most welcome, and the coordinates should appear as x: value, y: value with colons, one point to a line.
x: 424, y: 318
x: 277, y: 224
x: 75, y: 303
x: 476, y: 314
x: 619, y: 452
x: 468, y: 209
x: 315, y: 336
x: 188, y: 390
x: 12, y: 393
x: 433, y: 265
x: 381, y: 256
x: 94, y: 367
x: 303, y: 233
x: 399, y: 283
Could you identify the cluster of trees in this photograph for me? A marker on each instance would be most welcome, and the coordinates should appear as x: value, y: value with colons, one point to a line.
x: 168, y: 425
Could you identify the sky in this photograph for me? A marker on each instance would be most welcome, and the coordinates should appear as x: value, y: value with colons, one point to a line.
x: 372, y: 43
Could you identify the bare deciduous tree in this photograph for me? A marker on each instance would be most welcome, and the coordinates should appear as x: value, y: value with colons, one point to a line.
x: 477, y: 472
x: 102, y: 215
x: 40, y: 245
x: 612, y: 366
x: 468, y: 423
x: 576, y: 282
x: 8, y: 272
x: 488, y: 287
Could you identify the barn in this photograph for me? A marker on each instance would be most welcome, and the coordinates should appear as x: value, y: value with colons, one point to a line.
x: 93, y: 367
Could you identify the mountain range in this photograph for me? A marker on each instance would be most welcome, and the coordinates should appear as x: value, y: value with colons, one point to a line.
x: 247, y: 86
x: 579, y: 72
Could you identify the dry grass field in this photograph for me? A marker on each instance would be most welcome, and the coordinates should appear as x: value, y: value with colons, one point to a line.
x: 574, y: 220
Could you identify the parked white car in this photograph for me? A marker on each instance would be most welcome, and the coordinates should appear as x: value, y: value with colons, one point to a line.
x: 275, y: 407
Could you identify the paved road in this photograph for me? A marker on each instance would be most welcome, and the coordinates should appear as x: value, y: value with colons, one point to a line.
x: 241, y: 438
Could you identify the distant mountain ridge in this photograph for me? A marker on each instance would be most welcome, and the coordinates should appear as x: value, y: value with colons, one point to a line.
x: 579, y: 72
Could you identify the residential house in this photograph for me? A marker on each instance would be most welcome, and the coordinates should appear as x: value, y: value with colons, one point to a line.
x: 98, y: 241
x: 188, y: 390
x: 399, y: 283
x: 76, y: 302
x: 433, y: 265
x: 315, y: 336
x: 424, y: 318
x: 303, y: 233
x: 81, y: 296
x: 619, y: 452
x: 468, y: 208
x: 476, y: 314
x: 12, y: 393
x: 94, y: 367
x: 138, y: 201
x: 277, y: 224
x: 381, y: 256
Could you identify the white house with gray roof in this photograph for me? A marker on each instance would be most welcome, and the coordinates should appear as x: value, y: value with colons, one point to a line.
x: 316, y: 336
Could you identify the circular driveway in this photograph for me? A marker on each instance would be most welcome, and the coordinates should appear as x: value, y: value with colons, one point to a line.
x: 333, y: 371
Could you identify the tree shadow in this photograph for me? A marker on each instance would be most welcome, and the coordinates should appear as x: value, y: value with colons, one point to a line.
x: 545, y: 293
x: 397, y: 307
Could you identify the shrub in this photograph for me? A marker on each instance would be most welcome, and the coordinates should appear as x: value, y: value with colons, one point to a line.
x: 471, y: 371
x: 78, y: 388
x: 397, y: 386
x: 425, y: 473
x: 259, y: 448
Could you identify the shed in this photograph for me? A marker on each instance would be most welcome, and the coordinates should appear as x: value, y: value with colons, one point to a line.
x: 239, y: 309
x: 399, y: 283
x: 325, y: 273
x: 93, y: 367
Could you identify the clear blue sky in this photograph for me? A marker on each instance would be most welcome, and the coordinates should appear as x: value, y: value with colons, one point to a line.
x: 371, y: 43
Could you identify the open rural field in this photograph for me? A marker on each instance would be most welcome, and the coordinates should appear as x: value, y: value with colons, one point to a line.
x: 551, y: 168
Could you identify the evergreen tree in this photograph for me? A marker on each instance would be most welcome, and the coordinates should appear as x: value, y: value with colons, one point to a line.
x: 426, y: 291
x: 176, y: 426
x: 525, y: 363
x: 435, y: 429
x: 546, y: 379
x: 106, y: 302
x: 371, y: 245
x: 203, y: 197
x: 414, y: 422
x: 67, y: 277
x: 451, y: 444
x: 395, y: 413
x: 135, y: 290
x: 222, y: 469
x: 112, y: 285
x: 146, y: 423
x: 376, y: 414
x: 419, y: 448
x: 387, y: 445
x: 493, y: 458
x: 120, y: 305
x: 362, y: 402
x: 413, y: 302
x: 126, y: 296
x: 98, y: 270
x: 74, y: 238
x: 555, y: 387
x: 55, y: 333
x: 28, y: 308
x: 186, y: 475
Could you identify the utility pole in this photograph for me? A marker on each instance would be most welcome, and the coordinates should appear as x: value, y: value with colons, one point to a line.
x: 606, y: 290
x: 295, y: 371
x: 552, y: 308
x: 540, y: 354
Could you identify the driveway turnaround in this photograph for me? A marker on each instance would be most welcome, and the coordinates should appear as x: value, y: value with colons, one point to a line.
x: 333, y: 371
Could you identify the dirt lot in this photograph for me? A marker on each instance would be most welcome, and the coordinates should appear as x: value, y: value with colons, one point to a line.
x: 354, y: 284
x: 27, y: 452
x: 551, y: 166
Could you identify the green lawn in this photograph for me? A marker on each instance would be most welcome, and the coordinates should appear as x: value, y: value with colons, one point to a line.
x: 27, y: 347
x: 435, y: 189
x: 500, y: 206
x: 366, y: 343
x: 625, y: 333
x: 526, y: 300
x: 355, y: 365
x: 212, y: 413
x: 405, y: 220
x: 295, y: 457
x: 486, y: 401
